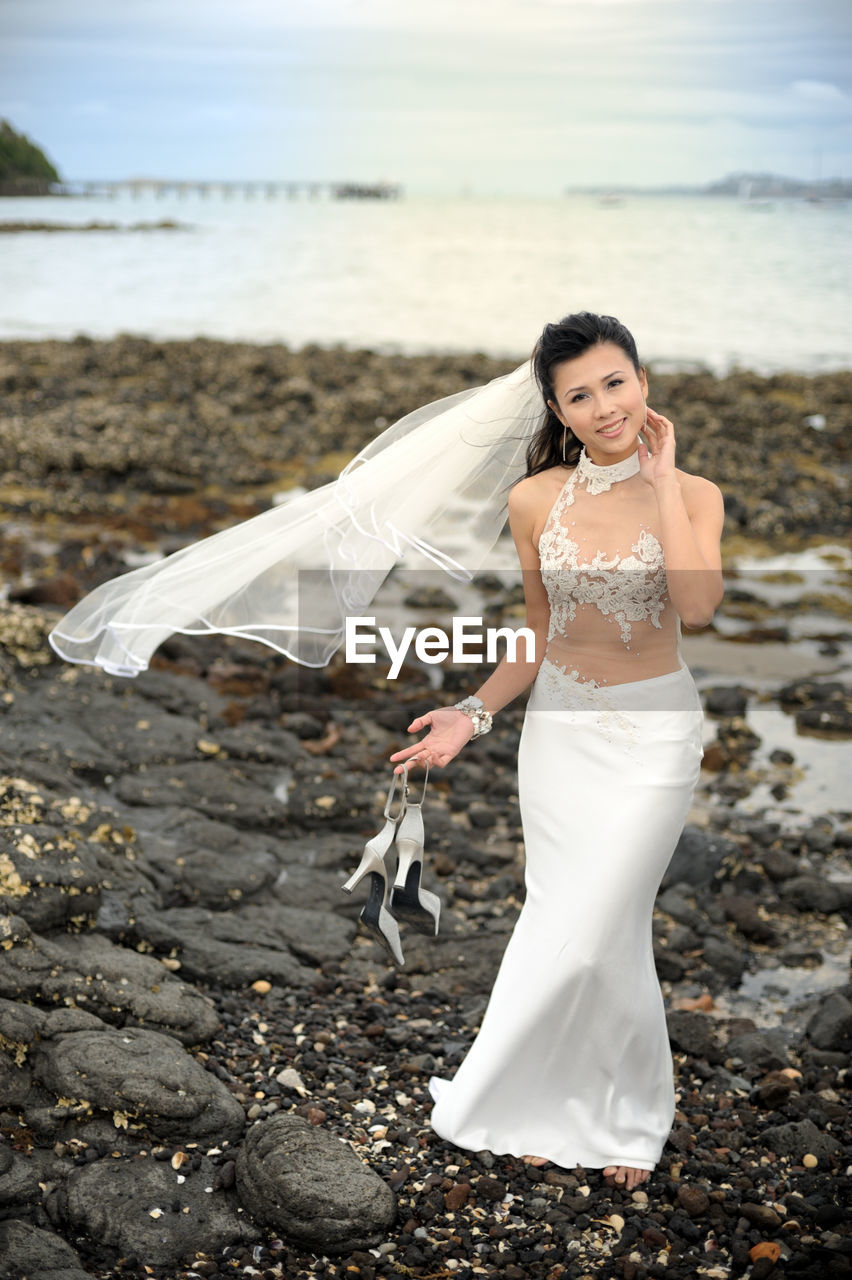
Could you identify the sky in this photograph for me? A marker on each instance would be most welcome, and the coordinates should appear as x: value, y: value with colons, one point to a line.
x: 496, y: 97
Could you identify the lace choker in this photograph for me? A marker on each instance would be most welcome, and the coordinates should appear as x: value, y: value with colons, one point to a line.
x: 599, y: 479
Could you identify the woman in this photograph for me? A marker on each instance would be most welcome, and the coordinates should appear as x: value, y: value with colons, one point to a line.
x: 572, y: 1062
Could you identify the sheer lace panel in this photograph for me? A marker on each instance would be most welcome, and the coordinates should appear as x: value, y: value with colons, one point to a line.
x: 604, y: 571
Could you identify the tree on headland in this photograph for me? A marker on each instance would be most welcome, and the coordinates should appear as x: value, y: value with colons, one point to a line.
x: 24, y: 168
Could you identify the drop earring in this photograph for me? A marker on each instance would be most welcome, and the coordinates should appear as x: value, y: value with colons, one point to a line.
x: 564, y: 434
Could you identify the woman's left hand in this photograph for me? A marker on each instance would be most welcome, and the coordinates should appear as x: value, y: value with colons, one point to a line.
x: 657, y: 462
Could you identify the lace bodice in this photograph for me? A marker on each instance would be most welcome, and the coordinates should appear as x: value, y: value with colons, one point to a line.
x: 604, y: 572
x: 626, y: 589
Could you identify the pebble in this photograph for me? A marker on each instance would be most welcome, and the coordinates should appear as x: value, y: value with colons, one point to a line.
x: 290, y: 1079
x: 457, y: 1196
x: 695, y: 1201
x: 761, y: 1215
x: 765, y: 1249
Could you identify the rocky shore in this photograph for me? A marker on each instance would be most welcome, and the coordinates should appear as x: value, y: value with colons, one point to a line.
x: 190, y: 1018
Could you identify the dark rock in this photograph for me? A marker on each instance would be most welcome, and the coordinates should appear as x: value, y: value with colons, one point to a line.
x: 682, y: 938
x: 820, y: 837
x: 19, y: 1183
x: 762, y: 1216
x: 745, y: 915
x: 758, y: 830
x: 455, y: 965
x: 726, y: 700
x: 331, y: 849
x: 117, y: 984
x: 735, y: 742
x: 145, y: 1077
x: 57, y: 882
x: 15, y: 1078
x: 209, y: 863
x: 693, y: 1200
x: 669, y: 965
x: 302, y: 1181
x: 693, y: 1033
x: 56, y: 1021
x: 308, y: 887
x: 814, y: 893
x: 254, y: 941
x: 457, y: 1197
x: 137, y: 1207
x: 228, y: 791
x: 674, y: 902
x: 726, y: 959
x: 429, y: 597
x: 827, y: 720
x: 133, y: 738
x: 821, y: 707
x: 20, y: 1025
x: 798, y: 1139
x: 34, y: 1254
x: 487, y: 1188
x: 481, y: 816
x: 800, y: 954
x: 774, y: 1090
x: 697, y: 857
x: 69, y: 747
x: 803, y: 693
x: 830, y: 1026
x: 779, y: 864
x: 766, y: 1049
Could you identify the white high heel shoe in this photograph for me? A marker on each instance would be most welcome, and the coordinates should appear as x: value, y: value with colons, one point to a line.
x: 375, y: 913
x: 418, y: 907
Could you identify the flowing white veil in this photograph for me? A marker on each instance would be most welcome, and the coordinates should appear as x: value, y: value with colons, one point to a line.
x: 431, y: 488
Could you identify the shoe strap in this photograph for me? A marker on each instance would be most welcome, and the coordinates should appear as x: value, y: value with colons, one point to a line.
x: 403, y: 801
x: 407, y: 788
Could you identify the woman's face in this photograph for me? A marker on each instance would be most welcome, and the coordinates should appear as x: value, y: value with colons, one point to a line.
x: 601, y: 398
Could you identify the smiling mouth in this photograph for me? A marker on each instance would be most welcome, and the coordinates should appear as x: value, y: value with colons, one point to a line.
x: 612, y: 428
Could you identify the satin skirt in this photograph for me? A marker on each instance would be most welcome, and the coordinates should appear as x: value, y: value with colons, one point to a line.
x: 572, y: 1061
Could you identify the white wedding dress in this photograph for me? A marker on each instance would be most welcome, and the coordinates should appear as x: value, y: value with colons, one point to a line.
x: 572, y: 1061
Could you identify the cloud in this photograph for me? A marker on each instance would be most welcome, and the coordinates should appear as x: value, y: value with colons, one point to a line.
x: 819, y: 91
x: 431, y: 87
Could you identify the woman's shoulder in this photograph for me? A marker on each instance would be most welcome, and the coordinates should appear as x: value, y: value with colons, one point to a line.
x: 698, y: 491
x: 529, y: 491
x: 697, y: 484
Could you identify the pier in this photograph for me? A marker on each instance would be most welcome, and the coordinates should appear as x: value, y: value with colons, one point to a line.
x: 227, y: 189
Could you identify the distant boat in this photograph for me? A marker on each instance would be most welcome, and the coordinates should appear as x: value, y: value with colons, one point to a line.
x: 367, y: 191
x: 751, y: 201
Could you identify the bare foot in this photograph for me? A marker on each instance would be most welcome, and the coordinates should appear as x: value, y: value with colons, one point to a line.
x: 537, y: 1162
x: 622, y: 1176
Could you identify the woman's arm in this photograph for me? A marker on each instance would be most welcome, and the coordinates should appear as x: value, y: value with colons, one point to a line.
x: 691, y: 517
x: 450, y: 729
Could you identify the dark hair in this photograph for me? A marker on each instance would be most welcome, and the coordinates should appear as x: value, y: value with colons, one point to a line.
x: 570, y: 337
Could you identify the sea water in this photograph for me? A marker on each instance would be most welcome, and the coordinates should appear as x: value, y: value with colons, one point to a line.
x: 716, y: 282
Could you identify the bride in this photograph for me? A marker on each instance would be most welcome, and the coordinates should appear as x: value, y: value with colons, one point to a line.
x: 616, y: 545
x: 572, y: 1062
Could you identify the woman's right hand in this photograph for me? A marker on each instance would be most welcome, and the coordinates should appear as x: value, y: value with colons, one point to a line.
x: 449, y: 729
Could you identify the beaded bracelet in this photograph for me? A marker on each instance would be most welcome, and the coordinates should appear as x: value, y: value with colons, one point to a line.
x: 475, y: 708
